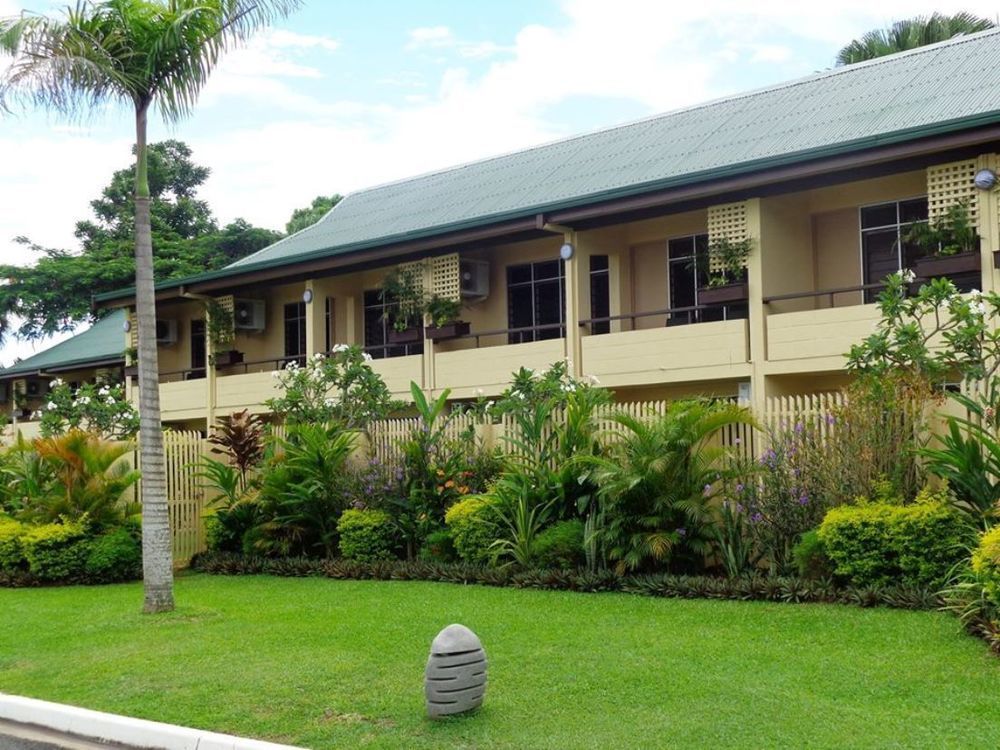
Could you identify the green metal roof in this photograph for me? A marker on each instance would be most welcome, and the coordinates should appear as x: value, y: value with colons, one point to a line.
x: 954, y: 80
x: 103, y: 342
x: 941, y: 88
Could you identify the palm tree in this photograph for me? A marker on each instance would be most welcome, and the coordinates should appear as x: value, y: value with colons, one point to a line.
x: 911, y: 33
x: 138, y: 53
x: 657, y: 482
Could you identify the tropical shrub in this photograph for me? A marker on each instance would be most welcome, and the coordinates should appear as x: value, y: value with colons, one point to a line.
x: 811, y: 558
x: 561, y: 545
x: 438, y: 547
x: 437, y: 471
x: 114, y: 556
x: 472, y: 524
x: 367, y: 535
x: 656, y: 484
x: 885, y: 543
x: 733, y: 540
x: 90, y: 476
x: 240, y: 439
x: 25, y: 479
x: 101, y: 408
x: 302, y: 493
x: 57, y: 551
x: 11, y: 552
x: 336, y: 388
x: 986, y: 562
x: 967, y: 456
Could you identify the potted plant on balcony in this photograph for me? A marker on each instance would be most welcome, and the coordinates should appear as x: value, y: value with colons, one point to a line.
x: 726, y: 261
x: 950, y: 244
x: 403, y: 298
x: 131, y: 362
x: 221, y: 331
x: 444, y: 321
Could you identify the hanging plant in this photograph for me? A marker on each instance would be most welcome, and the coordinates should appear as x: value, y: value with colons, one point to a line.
x: 402, y: 294
x: 221, y: 326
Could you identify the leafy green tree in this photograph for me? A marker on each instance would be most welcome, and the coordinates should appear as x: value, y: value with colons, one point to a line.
x: 54, y: 293
x: 306, y: 217
x: 911, y: 33
x: 137, y: 53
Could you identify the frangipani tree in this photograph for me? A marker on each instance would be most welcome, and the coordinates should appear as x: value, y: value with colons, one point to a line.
x: 142, y: 55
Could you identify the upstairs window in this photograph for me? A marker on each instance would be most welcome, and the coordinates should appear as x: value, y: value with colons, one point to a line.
x: 685, y: 277
x: 884, y: 249
x: 600, y: 293
x: 295, y: 331
x: 378, y: 323
x: 198, y: 345
x: 536, y: 301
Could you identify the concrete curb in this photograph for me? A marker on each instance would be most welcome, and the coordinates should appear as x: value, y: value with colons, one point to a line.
x: 94, y: 725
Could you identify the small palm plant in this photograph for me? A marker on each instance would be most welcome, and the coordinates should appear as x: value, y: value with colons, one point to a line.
x: 656, y: 485
x: 91, y: 478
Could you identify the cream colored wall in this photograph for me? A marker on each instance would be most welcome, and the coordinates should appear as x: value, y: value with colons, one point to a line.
x: 786, y: 250
x: 644, y: 259
x: 178, y: 356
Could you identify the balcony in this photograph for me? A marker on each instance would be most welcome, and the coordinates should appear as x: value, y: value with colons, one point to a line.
x: 816, y: 339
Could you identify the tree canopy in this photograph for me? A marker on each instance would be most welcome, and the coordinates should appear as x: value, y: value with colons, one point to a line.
x: 911, y: 33
x: 306, y: 217
x: 54, y: 293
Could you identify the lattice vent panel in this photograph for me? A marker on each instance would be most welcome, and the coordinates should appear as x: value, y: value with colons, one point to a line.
x: 727, y: 221
x: 418, y: 270
x: 133, y: 330
x: 446, y: 280
x: 948, y: 184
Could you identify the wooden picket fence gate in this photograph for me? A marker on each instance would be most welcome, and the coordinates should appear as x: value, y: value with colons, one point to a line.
x: 187, y: 498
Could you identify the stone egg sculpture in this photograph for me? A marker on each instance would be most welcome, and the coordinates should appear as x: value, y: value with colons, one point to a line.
x: 455, y: 678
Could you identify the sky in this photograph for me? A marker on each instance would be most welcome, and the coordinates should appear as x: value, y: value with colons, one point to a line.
x: 342, y: 96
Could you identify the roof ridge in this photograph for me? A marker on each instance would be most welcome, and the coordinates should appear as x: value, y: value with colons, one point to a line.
x: 802, y: 80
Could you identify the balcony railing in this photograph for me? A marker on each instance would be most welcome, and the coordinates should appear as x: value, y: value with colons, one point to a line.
x: 830, y: 294
x: 673, y: 316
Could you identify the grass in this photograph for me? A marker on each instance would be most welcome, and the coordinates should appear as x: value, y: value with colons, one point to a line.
x: 329, y: 664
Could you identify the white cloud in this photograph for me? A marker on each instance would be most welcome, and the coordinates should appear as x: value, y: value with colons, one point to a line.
x: 441, y: 38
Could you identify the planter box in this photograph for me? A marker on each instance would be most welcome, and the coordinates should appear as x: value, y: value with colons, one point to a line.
x: 721, y: 295
x: 409, y: 336
x: 229, y: 357
x: 450, y: 331
x: 936, y: 266
x: 132, y: 371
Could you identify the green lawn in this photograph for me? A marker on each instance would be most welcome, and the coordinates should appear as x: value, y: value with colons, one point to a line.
x: 339, y: 664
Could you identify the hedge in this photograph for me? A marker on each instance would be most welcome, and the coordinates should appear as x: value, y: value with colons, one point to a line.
x: 750, y: 588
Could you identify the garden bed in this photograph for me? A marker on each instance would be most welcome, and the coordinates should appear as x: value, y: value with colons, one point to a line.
x: 329, y: 664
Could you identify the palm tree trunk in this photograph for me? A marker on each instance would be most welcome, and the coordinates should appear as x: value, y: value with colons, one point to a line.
x: 157, y: 562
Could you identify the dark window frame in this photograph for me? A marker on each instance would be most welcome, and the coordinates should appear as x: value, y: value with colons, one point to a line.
x: 376, y: 315
x: 295, y: 345
x: 536, y: 283
x: 899, y: 225
x: 199, y: 340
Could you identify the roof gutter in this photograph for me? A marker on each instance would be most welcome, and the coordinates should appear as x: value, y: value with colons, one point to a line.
x: 872, y: 151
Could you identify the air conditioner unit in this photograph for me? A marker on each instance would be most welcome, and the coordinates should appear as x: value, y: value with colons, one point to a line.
x: 248, y: 314
x: 166, y: 332
x: 474, y: 278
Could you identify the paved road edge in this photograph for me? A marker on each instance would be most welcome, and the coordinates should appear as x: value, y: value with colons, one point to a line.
x: 124, y: 730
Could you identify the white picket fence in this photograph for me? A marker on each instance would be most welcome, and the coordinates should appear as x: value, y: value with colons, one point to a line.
x: 189, y: 499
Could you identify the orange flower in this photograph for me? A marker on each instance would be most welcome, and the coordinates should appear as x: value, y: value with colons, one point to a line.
x: 450, y: 483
